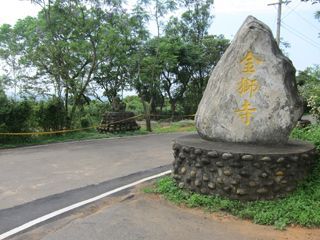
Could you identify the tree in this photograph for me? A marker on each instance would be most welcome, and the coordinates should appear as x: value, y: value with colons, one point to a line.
x: 204, y: 51
x: 317, y: 16
x: 174, y: 61
x: 147, y: 70
x: 157, y: 9
x: 317, y: 13
x: 308, y: 82
x: 146, y: 74
x: 312, y: 1
x: 68, y: 47
x: 51, y: 114
x: 10, y: 54
x: 113, y: 74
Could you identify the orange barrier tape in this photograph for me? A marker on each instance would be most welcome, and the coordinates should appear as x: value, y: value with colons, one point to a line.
x: 63, y: 131
x: 81, y: 129
x: 155, y: 115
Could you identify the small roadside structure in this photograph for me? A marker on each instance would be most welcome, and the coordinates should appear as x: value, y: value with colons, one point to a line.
x: 118, y: 120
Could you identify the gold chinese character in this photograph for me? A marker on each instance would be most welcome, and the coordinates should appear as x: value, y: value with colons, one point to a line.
x: 247, y: 85
x: 249, y: 60
x: 245, y: 113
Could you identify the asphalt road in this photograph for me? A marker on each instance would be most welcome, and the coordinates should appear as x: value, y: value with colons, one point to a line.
x: 31, y: 173
x: 35, y: 181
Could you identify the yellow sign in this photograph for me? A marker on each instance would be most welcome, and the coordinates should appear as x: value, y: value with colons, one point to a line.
x: 245, y: 113
x: 246, y: 85
x: 249, y: 60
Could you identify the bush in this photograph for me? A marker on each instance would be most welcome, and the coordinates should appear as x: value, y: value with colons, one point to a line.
x: 85, y: 122
x: 19, y: 118
x: 15, y: 117
x: 94, y: 111
x: 133, y: 104
x: 314, y: 104
x: 309, y: 87
x: 51, y: 115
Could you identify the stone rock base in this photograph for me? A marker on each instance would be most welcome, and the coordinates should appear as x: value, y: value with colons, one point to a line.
x: 118, y: 122
x: 240, y: 171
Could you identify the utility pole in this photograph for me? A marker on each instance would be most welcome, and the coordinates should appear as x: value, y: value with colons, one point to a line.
x: 279, y: 17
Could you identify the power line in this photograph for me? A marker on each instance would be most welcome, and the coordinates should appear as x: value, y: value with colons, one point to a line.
x: 304, y: 19
x: 300, y: 35
x: 292, y: 9
x: 315, y: 46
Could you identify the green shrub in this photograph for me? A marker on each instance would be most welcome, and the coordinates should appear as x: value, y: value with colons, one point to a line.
x: 308, y: 82
x: 314, y: 103
x: 310, y: 133
x: 51, y: 115
x: 85, y: 122
x: 15, y: 117
x: 133, y: 104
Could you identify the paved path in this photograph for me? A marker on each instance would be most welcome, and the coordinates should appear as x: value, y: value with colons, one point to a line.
x: 148, y: 217
x: 31, y: 173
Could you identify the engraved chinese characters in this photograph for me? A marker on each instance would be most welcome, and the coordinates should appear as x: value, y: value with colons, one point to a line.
x: 247, y: 86
x: 251, y: 95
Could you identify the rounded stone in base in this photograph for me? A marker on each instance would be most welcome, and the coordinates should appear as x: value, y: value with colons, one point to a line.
x: 240, y: 171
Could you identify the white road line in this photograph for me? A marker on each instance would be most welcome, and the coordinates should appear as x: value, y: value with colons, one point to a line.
x: 76, y: 205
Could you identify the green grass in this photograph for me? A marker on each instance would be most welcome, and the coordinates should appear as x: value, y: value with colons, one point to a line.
x: 302, y: 207
x: 18, y: 141
x: 181, y: 126
x: 310, y: 133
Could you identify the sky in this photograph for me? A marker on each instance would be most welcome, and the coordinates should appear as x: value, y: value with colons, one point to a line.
x: 299, y: 28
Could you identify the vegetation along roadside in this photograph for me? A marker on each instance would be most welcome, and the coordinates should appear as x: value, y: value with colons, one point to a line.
x: 158, y: 127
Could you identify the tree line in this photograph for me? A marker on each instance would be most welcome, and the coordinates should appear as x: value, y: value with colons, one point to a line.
x: 75, y: 51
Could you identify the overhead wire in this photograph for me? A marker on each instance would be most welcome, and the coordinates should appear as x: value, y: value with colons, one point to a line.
x: 291, y: 11
x: 300, y: 35
x: 304, y: 19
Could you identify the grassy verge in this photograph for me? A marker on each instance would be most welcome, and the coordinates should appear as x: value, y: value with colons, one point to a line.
x: 310, y: 133
x: 302, y: 207
x: 181, y: 126
x: 16, y: 141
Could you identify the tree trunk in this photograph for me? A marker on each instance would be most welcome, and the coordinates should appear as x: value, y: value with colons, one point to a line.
x: 67, y: 119
x: 173, y: 110
x: 147, y: 110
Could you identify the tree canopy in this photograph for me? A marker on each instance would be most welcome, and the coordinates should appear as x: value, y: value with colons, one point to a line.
x: 76, y: 50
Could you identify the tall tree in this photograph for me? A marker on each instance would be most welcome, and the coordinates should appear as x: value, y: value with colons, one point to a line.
x: 10, y: 55
x: 147, y: 80
x: 175, y: 58
x: 113, y: 74
x: 204, y: 50
x: 68, y: 47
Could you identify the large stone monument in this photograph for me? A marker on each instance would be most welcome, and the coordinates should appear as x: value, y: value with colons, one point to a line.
x: 244, y: 120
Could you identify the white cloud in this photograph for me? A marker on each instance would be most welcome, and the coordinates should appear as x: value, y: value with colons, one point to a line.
x: 12, y: 10
x: 254, y: 6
